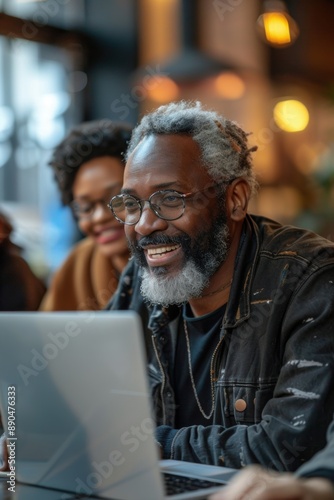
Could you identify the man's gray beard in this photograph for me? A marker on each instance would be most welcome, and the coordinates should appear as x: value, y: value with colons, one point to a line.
x: 164, y: 290
x: 190, y: 281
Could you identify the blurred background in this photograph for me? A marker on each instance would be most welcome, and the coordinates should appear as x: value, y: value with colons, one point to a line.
x: 268, y: 65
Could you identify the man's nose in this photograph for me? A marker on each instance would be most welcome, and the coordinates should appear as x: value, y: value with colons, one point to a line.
x: 149, y: 221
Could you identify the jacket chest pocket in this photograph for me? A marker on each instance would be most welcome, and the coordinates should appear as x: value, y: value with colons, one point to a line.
x: 244, y: 405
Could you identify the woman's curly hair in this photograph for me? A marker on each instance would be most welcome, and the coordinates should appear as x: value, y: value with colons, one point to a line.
x: 84, y: 142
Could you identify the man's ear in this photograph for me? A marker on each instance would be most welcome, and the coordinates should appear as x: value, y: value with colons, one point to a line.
x: 237, y: 198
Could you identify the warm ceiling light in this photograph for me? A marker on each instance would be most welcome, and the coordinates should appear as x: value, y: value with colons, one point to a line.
x: 291, y: 115
x: 276, y: 26
x: 162, y: 89
x: 228, y: 85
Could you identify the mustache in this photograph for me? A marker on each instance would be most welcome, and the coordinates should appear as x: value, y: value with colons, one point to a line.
x: 161, y: 239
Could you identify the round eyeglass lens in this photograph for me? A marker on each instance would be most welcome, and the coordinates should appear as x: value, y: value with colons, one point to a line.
x: 126, y: 208
x: 168, y: 205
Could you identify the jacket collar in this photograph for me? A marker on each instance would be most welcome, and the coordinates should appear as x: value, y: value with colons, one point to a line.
x: 238, y: 308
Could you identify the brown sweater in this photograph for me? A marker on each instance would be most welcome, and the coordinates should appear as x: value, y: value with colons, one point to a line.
x: 85, y: 281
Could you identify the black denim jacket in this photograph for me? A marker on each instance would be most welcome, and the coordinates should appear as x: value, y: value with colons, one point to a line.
x: 274, y: 369
x: 322, y: 465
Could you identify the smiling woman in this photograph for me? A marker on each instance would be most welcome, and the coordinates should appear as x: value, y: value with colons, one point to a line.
x: 88, y: 166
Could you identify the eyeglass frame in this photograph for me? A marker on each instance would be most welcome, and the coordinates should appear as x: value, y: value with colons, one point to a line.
x: 93, y: 205
x: 139, y: 201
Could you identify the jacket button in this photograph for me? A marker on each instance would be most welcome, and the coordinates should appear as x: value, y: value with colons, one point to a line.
x: 240, y: 405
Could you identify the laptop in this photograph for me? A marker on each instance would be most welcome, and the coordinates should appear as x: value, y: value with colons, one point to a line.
x: 76, y: 408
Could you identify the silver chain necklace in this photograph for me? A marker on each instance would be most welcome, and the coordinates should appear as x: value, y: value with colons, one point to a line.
x: 200, y: 407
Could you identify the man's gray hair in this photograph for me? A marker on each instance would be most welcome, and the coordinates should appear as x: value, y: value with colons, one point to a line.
x: 223, y: 144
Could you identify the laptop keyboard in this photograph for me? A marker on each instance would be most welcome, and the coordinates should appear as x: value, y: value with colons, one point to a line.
x: 179, y: 484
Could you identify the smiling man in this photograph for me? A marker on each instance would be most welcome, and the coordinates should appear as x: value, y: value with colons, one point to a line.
x: 237, y: 310
x: 177, y: 263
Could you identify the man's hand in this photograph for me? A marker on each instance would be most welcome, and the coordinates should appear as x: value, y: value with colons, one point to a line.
x: 255, y: 483
x: 3, y: 454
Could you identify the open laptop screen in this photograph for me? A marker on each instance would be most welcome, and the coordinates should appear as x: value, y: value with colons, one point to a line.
x: 75, y: 403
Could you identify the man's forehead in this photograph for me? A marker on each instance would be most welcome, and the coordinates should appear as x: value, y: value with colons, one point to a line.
x: 165, y: 162
x: 164, y: 151
x: 165, y: 145
x: 154, y: 178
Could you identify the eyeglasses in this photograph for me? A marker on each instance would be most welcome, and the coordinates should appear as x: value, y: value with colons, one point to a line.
x: 166, y: 204
x: 86, y: 209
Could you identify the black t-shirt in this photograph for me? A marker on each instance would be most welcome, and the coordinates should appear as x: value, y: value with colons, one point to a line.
x: 204, y: 333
